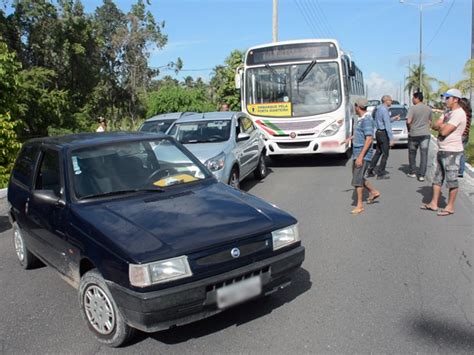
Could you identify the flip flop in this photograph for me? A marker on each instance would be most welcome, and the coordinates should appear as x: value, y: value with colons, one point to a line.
x: 357, y: 210
x: 427, y: 207
x: 444, y: 213
x: 372, y: 198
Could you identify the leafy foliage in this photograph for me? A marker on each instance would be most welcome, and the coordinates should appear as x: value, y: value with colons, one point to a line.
x: 175, y: 98
x: 9, y: 146
x: 223, y: 83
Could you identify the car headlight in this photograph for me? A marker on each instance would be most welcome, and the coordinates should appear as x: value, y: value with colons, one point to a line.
x: 159, y: 271
x: 216, y: 163
x: 331, y: 130
x: 285, y: 236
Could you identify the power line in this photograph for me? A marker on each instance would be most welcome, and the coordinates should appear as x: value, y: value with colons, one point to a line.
x: 442, y: 22
x: 304, y: 17
x: 314, y: 23
x: 314, y: 13
x: 325, y: 21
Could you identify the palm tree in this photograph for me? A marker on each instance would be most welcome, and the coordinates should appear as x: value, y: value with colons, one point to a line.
x: 465, y: 85
x: 413, y: 80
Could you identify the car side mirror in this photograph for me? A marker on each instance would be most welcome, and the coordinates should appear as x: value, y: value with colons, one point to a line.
x: 49, y: 197
x: 243, y: 137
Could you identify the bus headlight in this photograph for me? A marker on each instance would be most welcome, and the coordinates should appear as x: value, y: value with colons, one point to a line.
x: 216, y: 163
x: 331, y: 130
x: 285, y: 236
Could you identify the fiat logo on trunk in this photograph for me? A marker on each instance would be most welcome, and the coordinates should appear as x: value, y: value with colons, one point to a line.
x: 235, y: 252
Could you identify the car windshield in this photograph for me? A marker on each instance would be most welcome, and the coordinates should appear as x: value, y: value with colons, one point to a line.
x: 156, y: 126
x: 293, y: 90
x: 127, y: 167
x: 394, y: 111
x: 202, y: 131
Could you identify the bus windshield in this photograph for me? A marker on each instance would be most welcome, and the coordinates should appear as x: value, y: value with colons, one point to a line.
x: 293, y: 90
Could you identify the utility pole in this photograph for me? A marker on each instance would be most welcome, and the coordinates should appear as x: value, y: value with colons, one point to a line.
x: 420, y: 6
x: 275, y: 21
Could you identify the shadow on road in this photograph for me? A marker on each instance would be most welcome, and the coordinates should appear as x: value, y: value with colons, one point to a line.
x: 427, y: 192
x: 4, y: 224
x: 293, y: 161
x: 250, y: 182
x: 443, y: 332
x: 236, y: 316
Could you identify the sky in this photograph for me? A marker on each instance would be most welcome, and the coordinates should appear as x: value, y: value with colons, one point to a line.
x: 382, y: 35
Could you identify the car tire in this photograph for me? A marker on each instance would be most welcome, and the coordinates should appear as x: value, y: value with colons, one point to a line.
x: 261, y: 169
x: 234, y: 178
x: 97, y: 303
x: 25, y: 257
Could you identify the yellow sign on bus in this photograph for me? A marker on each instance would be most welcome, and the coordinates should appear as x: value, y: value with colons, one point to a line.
x: 275, y: 109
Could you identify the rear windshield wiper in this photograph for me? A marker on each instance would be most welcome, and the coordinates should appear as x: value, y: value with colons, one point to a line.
x: 122, y: 192
x: 274, y: 72
x: 306, y: 71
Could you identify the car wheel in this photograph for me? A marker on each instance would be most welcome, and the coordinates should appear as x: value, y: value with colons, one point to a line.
x: 25, y: 257
x: 234, y: 179
x: 261, y: 169
x: 101, y: 312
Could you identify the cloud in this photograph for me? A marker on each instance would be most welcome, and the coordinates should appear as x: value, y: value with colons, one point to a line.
x: 378, y: 86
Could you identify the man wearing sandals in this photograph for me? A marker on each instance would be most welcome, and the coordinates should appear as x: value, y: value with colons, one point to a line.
x: 450, y: 127
x: 362, y: 153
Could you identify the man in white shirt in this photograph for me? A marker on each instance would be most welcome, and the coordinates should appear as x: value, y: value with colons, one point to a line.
x: 450, y: 127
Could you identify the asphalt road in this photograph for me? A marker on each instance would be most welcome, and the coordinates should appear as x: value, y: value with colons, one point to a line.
x: 394, y: 279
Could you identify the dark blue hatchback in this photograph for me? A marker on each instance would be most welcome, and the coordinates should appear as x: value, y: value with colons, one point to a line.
x: 144, y: 231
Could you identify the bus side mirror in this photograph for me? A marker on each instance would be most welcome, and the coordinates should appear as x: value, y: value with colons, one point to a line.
x: 238, y: 78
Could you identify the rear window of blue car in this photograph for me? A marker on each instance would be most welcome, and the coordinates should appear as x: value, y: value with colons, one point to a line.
x: 25, y: 164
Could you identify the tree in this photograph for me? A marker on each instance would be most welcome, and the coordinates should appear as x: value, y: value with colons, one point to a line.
x: 465, y: 85
x: 413, y: 81
x: 9, y: 147
x: 9, y: 92
x: 176, y: 98
x: 222, y: 81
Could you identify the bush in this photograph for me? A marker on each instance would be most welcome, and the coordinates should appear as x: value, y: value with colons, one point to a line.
x: 9, y: 147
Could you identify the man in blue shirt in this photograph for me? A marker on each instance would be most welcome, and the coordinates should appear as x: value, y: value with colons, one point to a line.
x: 362, y: 153
x: 384, y: 137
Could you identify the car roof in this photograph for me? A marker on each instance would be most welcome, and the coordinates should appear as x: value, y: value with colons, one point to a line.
x: 209, y: 116
x: 169, y: 116
x: 92, y: 139
x: 397, y: 106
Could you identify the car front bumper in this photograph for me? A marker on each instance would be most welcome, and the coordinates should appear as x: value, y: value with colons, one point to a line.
x: 178, y: 305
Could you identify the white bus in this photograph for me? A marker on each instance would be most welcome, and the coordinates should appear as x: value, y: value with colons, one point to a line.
x: 300, y: 94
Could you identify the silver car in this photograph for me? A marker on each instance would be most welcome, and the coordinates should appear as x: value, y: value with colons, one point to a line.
x: 399, y: 128
x: 161, y: 123
x: 228, y: 143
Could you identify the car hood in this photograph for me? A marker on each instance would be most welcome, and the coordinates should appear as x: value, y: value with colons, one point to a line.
x: 153, y: 227
x: 402, y: 124
x: 205, y: 151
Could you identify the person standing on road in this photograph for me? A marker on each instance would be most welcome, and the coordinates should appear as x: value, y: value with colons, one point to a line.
x: 466, y: 106
x: 224, y: 107
x: 419, y: 123
x: 384, y: 138
x: 362, y: 153
x: 450, y: 127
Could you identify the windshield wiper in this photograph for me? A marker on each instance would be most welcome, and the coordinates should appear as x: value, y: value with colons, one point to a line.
x: 122, y: 192
x: 274, y: 72
x: 306, y: 71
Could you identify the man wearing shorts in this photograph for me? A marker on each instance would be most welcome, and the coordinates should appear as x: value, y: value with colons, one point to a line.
x: 450, y: 127
x: 362, y: 153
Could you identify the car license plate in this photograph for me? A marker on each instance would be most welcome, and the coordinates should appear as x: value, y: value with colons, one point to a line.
x: 239, y: 292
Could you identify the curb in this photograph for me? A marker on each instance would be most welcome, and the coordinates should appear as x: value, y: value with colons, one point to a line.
x: 3, y: 193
